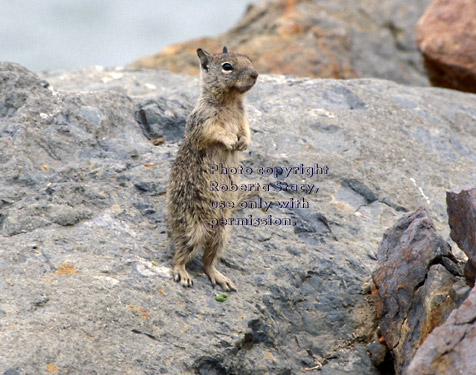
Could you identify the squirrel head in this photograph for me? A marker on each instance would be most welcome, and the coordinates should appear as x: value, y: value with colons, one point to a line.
x: 226, y: 73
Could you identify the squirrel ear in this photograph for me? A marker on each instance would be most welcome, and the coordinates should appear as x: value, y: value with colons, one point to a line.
x: 204, y: 57
x: 225, y: 50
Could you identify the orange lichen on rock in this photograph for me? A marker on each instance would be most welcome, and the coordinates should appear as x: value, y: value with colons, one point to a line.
x: 66, y: 269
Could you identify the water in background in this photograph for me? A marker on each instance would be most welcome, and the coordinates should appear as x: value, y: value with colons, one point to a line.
x: 58, y: 34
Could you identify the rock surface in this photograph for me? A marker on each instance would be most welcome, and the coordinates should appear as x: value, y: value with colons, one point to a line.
x: 446, y: 36
x: 85, y: 283
x: 462, y: 219
x: 416, y: 282
x: 315, y: 38
x: 451, y: 348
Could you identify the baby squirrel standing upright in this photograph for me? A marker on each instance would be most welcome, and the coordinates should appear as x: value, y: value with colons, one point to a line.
x: 215, y: 133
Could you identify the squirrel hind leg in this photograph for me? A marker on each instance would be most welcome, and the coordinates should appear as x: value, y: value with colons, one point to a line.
x: 186, y: 246
x: 181, y: 257
x: 184, y: 251
x: 211, y: 254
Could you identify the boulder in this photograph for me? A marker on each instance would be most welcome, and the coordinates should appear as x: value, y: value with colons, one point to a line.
x: 326, y: 39
x: 451, y: 348
x: 85, y: 284
x: 462, y: 219
x: 416, y: 281
x: 446, y: 35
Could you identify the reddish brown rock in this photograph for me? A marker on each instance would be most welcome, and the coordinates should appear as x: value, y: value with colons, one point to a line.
x: 415, y: 284
x: 446, y: 35
x: 451, y: 348
x: 470, y: 273
x: 461, y: 203
x: 325, y: 38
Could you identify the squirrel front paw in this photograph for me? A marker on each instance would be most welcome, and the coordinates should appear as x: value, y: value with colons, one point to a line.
x: 242, y: 143
x: 230, y: 142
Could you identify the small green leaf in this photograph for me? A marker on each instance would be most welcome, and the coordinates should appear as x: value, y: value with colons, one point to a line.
x: 154, y: 263
x: 221, y: 297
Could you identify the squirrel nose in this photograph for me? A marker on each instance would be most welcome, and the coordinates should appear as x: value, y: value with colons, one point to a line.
x: 254, y: 74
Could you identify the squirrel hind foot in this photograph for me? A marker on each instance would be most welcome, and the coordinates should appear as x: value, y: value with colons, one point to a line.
x: 181, y: 275
x: 217, y: 277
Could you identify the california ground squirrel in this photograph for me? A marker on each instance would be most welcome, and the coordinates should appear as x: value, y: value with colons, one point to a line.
x: 215, y: 132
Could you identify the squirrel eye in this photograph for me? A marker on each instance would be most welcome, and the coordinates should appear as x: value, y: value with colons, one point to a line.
x: 227, y: 67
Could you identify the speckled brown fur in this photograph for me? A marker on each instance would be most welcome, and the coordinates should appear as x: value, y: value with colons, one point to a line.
x: 215, y: 133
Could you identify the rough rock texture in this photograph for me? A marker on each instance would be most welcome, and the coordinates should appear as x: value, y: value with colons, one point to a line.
x: 317, y: 38
x: 462, y: 219
x: 446, y: 36
x: 416, y: 284
x: 85, y: 283
x: 451, y: 348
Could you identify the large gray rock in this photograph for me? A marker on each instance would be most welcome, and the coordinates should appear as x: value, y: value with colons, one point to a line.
x: 85, y: 282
